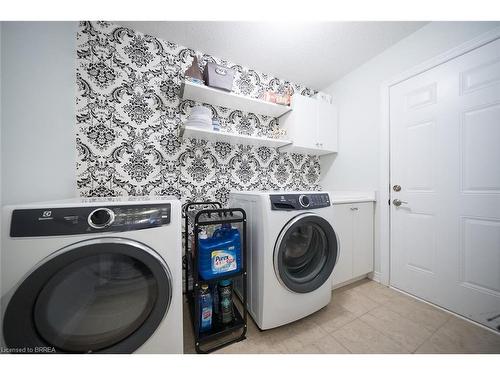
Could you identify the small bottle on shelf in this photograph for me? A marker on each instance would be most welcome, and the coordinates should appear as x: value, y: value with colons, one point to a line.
x: 205, y: 309
x: 226, y: 301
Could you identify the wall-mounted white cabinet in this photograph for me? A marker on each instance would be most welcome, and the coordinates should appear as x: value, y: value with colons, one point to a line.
x: 354, y: 228
x: 311, y: 125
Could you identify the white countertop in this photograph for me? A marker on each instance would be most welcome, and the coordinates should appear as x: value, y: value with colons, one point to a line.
x: 352, y: 196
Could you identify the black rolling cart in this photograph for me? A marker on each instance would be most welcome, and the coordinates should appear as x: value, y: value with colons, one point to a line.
x: 198, y: 216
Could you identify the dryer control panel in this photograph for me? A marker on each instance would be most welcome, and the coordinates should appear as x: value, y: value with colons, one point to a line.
x: 305, y: 201
x: 81, y: 220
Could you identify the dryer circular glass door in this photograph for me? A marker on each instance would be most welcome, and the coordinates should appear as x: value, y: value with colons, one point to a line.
x: 305, y: 253
x: 102, y: 295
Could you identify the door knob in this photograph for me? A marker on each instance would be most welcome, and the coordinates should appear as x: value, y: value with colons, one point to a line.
x: 398, y: 202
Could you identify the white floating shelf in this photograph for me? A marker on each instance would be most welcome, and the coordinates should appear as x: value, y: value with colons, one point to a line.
x: 235, y: 139
x: 209, y: 95
x: 306, y: 150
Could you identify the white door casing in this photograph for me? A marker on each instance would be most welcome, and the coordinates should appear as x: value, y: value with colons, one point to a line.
x: 445, y: 154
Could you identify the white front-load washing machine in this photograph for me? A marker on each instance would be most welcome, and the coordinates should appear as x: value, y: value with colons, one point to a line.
x: 292, y: 252
x: 92, y: 276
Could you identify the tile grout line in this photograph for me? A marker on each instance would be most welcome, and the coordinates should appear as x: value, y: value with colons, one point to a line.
x: 367, y: 295
x: 342, y: 345
x: 403, y: 316
x: 382, y: 332
x: 369, y: 325
x: 353, y: 320
x: 433, y: 333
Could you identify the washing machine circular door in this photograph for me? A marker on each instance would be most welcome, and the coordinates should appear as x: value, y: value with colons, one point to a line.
x: 105, y: 295
x: 305, y: 253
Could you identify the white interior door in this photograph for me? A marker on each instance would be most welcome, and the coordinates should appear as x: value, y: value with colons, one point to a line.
x: 445, y: 155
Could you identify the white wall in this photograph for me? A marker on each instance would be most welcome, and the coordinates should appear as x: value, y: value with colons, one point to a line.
x: 38, y: 151
x: 1, y: 23
x: 356, y: 167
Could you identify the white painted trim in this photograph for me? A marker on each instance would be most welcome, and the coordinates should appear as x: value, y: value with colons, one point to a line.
x: 375, y: 276
x: 351, y: 281
x: 384, y: 209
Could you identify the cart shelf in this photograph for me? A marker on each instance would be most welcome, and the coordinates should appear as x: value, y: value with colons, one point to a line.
x: 219, y: 329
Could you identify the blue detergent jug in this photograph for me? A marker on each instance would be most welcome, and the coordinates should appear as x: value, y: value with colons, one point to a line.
x: 221, y: 254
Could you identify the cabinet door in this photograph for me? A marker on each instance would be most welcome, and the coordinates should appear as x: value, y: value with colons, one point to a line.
x: 300, y: 122
x: 327, y: 126
x: 343, y: 227
x: 362, y: 254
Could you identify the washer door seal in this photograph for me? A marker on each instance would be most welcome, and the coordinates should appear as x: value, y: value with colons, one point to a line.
x: 305, y: 253
x: 106, y: 295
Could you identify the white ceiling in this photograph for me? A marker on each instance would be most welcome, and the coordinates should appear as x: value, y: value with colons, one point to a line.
x: 313, y: 54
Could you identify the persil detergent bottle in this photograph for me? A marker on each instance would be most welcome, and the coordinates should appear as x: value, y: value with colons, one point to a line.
x: 220, y: 255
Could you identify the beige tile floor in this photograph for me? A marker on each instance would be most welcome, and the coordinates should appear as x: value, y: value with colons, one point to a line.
x: 366, y: 317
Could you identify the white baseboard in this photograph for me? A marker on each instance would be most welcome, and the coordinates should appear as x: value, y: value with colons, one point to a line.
x: 353, y: 280
x: 375, y: 276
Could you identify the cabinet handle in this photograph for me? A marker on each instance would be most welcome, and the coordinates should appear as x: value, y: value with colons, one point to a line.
x: 354, y: 208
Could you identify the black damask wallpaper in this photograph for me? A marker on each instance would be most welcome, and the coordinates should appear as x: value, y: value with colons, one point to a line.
x: 128, y: 118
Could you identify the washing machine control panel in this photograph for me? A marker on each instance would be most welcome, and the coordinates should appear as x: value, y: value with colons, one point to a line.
x: 305, y: 201
x: 81, y: 220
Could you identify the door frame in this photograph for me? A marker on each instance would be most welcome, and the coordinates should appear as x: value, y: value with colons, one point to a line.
x: 383, y: 209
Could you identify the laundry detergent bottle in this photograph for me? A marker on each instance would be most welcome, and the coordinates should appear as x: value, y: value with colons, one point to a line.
x: 205, y: 308
x: 220, y: 254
